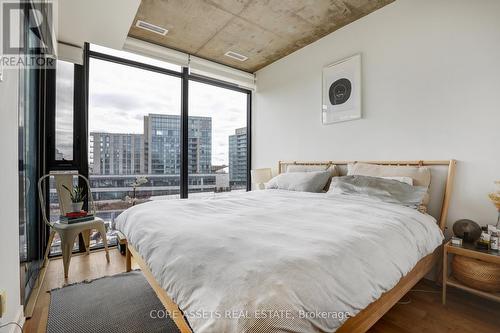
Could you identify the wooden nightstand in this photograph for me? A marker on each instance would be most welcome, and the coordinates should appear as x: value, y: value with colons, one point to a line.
x: 122, y: 242
x: 467, y: 250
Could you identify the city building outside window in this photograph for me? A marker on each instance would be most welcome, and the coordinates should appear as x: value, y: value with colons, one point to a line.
x: 134, y: 131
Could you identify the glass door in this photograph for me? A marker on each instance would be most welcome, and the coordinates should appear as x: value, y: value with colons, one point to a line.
x: 31, y: 233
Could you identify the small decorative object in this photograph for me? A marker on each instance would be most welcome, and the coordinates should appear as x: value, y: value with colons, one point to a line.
x: 491, y: 228
x: 261, y: 176
x: 342, y: 90
x: 495, y: 199
x: 77, y: 195
x: 477, y: 274
x: 84, y: 217
x: 484, y: 240
x: 494, y: 241
x: 456, y: 241
x: 138, y: 182
x: 468, y: 230
x: 74, y: 215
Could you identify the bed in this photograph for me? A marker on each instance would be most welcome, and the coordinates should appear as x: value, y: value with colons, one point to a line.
x: 268, y: 261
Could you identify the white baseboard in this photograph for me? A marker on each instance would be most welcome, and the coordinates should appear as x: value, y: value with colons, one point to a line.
x: 19, y: 318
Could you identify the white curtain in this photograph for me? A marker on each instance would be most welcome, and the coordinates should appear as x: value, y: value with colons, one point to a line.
x: 221, y: 72
x: 155, y: 51
x: 196, y: 65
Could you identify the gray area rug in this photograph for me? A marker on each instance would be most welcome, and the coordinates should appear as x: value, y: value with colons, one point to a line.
x: 113, y: 304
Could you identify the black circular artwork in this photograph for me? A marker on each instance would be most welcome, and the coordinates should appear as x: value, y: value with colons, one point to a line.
x: 340, y: 91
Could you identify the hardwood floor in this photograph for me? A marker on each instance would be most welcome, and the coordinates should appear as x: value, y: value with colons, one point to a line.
x: 463, y: 313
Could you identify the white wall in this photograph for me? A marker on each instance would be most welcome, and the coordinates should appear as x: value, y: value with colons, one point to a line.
x: 100, y: 22
x: 431, y: 90
x: 9, y: 206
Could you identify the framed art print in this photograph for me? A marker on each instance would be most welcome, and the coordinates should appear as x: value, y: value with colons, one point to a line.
x: 342, y: 90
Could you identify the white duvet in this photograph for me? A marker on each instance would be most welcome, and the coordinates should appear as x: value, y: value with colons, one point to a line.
x: 277, y: 261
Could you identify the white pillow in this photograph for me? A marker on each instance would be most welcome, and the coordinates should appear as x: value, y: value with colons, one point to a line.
x: 406, y: 180
x: 313, y: 181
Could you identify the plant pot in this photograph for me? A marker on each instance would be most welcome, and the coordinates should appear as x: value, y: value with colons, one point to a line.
x: 76, y: 206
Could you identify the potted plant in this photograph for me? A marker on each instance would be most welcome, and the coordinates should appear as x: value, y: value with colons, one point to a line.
x: 77, y: 195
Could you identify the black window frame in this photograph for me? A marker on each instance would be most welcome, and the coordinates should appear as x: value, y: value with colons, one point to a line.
x: 78, y: 112
x: 81, y: 116
x: 185, y: 77
x: 44, y: 104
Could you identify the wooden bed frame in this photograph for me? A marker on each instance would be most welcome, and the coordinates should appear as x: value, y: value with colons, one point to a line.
x: 372, y: 313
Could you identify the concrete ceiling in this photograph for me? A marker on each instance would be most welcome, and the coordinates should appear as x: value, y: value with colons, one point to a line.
x: 262, y: 30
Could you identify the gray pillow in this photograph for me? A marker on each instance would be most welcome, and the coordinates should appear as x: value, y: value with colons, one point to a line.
x: 310, y: 168
x: 386, y: 190
x: 313, y: 181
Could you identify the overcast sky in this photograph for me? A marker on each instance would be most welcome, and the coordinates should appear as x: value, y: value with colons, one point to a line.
x: 64, y: 109
x: 120, y: 96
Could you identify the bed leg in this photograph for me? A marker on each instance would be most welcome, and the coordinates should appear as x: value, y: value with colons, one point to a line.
x: 128, y: 260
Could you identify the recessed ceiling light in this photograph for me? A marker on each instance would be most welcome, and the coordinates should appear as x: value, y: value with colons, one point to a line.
x: 151, y: 27
x: 234, y: 55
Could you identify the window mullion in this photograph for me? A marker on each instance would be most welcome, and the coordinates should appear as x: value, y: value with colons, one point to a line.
x: 184, y: 132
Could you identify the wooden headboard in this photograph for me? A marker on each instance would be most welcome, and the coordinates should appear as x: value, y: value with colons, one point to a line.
x: 441, y: 182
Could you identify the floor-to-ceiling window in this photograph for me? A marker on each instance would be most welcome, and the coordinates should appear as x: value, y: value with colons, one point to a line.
x: 29, y: 226
x: 64, y: 128
x: 134, y: 136
x: 152, y: 131
x: 65, y: 76
x: 30, y: 150
x: 217, y: 145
